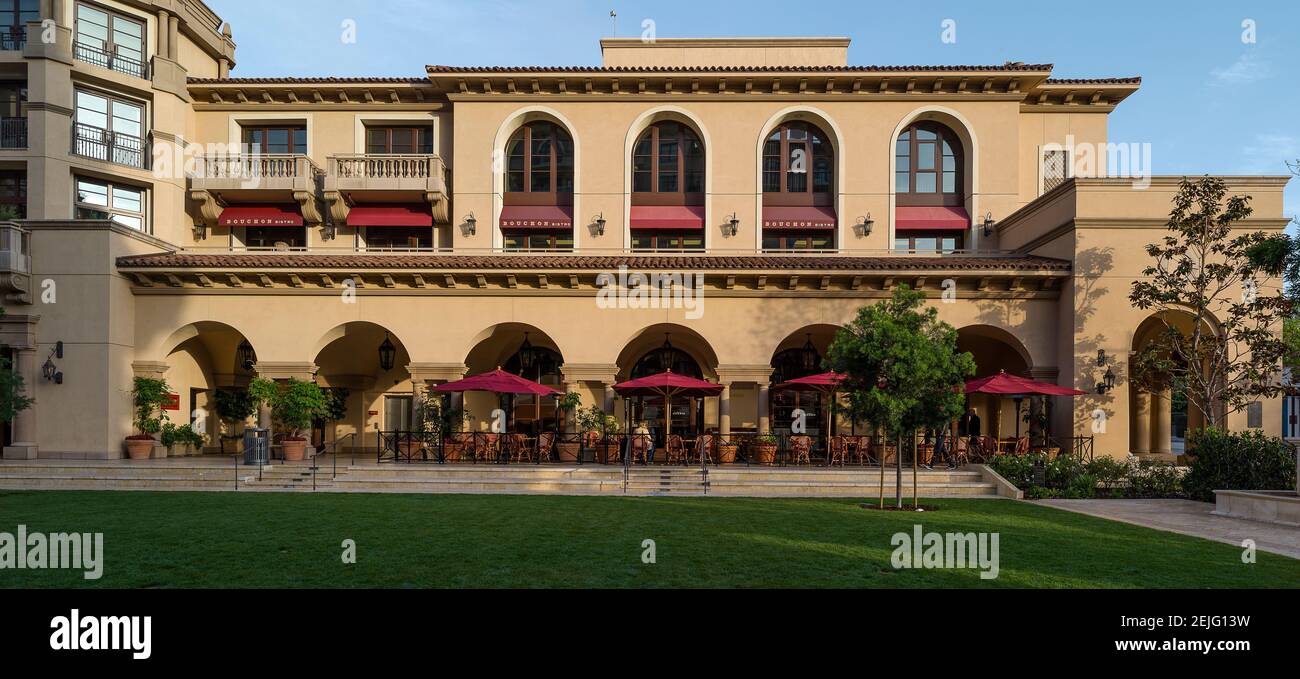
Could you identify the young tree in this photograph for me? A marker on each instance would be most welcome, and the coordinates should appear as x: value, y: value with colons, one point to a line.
x: 1221, y: 338
x: 902, y: 367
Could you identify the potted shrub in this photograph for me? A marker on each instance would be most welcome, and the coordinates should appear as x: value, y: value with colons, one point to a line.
x: 172, y: 440
x: 193, y: 439
x: 569, y: 450
x: 148, y: 395
x: 234, y: 407
x: 598, y: 430
x: 764, y: 448
x: 726, y: 451
x: 293, y: 407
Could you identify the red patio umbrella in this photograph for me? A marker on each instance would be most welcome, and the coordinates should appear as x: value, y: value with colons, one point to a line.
x: 498, y: 382
x: 1003, y: 384
x: 668, y: 384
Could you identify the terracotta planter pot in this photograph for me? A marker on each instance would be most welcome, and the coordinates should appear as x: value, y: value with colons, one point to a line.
x: 726, y: 453
x: 294, y: 451
x: 764, y: 453
x: 568, y: 451
x: 177, y: 450
x: 139, y: 449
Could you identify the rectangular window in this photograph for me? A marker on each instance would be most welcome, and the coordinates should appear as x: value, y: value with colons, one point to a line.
x: 399, y: 237
x: 14, y: 16
x: 1054, y: 169
x: 111, y: 129
x: 13, y: 191
x: 676, y: 242
x: 285, y: 140
x: 276, y: 237
x: 399, y: 140
x: 97, y: 199
x: 798, y: 242
x: 928, y: 242
x: 539, y: 241
x: 110, y: 40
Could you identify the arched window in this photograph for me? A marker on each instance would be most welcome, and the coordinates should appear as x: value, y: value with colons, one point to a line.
x: 539, y: 165
x: 798, y: 166
x: 538, y: 198
x: 928, y: 166
x: 668, y: 166
x: 792, y: 364
x: 533, y: 414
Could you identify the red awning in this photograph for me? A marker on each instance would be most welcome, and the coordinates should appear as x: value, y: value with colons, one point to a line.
x: 802, y: 218
x: 675, y: 217
x: 260, y: 215
x: 536, y: 217
x: 390, y: 215
x: 931, y: 219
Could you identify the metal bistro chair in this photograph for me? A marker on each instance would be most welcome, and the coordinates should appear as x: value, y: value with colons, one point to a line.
x: 487, y: 447
x: 703, y: 447
x: 885, y: 451
x: 862, y: 451
x: 1022, y: 446
x: 961, y: 452
x: 640, y: 448
x: 517, y: 449
x: 801, y: 449
x: 546, y: 446
x: 676, y: 449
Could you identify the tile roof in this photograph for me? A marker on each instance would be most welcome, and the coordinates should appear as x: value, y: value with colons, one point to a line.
x: 1010, y: 66
x: 1136, y: 80
x: 432, y: 262
x: 310, y: 81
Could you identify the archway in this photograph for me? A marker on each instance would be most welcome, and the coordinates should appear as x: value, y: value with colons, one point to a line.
x: 801, y: 354
x: 997, y: 350
x: 934, y: 121
x: 204, y: 358
x: 520, y: 349
x: 363, y: 367
x: 660, y: 348
x: 1160, y: 415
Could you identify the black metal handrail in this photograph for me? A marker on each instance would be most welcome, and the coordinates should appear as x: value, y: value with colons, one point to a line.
x: 114, y: 147
x: 98, y: 56
x: 334, y: 472
x: 13, y: 133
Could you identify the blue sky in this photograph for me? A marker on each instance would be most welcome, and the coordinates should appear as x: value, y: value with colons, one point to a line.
x: 1209, y: 102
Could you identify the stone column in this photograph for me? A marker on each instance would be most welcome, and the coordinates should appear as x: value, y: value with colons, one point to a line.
x: 570, y: 422
x: 608, y: 404
x: 1162, y: 428
x: 164, y: 34
x: 24, y: 424
x: 173, y: 38
x: 724, y: 411
x: 1141, y: 438
x: 764, y: 419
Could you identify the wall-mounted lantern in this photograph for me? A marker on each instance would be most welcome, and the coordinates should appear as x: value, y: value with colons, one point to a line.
x: 988, y: 224
x: 49, y: 370
x: 600, y: 224
x: 733, y: 225
x: 471, y: 225
x: 864, y: 226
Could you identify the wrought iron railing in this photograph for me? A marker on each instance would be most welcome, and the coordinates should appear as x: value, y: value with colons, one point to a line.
x: 98, y: 56
x: 13, y: 38
x: 13, y: 133
x: 114, y: 147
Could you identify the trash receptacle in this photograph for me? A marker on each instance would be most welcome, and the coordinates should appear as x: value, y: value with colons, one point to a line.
x: 257, y: 446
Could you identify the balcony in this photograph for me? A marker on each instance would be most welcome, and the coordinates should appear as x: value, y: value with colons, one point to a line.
x: 97, y: 56
x: 13, y: 38
x: 113, y: 147
x: 386, y: 178
x: 15, y: 263
x: 13, y: 133
x: 237, y: 174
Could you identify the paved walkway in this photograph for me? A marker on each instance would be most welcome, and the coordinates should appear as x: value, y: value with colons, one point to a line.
x: 1189, y: 518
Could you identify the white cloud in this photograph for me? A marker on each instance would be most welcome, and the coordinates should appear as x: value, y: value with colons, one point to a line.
x: 1248, y: 68
x: 1269, y: 154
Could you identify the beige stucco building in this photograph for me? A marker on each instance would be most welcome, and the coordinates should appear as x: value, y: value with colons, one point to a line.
x: 178, y: 222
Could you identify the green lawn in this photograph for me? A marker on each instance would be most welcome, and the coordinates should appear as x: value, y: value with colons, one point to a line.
x: 284, y: 540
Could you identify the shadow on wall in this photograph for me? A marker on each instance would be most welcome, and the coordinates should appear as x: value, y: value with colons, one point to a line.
x: 1090, y: 267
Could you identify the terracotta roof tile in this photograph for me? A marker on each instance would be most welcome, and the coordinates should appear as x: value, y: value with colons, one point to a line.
x: 1011, y: 66
x: 1135, y: 80
x: 310, y: 81
x: 267, y: 261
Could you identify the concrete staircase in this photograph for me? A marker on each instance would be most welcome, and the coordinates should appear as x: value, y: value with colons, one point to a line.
x: 218, y: 474
x: 667, y: 481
